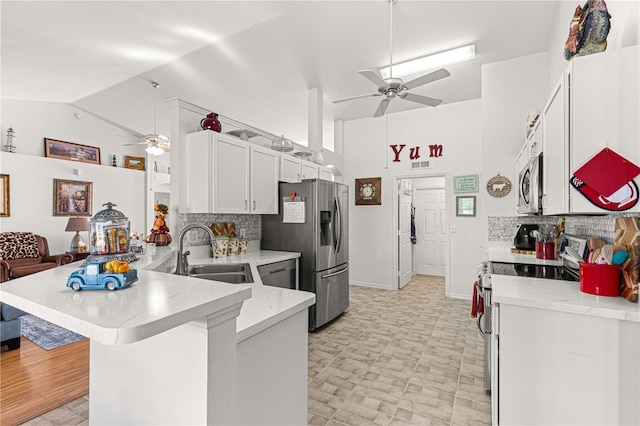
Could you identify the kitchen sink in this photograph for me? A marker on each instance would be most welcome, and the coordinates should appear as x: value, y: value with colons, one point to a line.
x: 233, y: 273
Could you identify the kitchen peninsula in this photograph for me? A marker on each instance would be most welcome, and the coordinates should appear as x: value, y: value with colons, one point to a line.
x: 173, y: 349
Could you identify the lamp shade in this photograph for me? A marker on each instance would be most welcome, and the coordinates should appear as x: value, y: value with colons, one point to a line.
x: 77, y: 224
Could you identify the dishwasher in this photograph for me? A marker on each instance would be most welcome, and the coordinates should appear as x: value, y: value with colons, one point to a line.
x: 280, y: 274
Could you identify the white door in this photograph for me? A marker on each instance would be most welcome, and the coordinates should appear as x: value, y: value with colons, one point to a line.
x: 404, y: 240
x: 430, y: 232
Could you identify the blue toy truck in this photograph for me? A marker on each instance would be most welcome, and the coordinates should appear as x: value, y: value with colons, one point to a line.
x: 94, y: 277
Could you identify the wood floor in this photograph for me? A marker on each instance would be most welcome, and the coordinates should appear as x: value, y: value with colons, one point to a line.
x: 34, y: 381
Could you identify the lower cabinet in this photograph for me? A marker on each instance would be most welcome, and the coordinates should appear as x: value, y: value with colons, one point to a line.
x: 566, y: 368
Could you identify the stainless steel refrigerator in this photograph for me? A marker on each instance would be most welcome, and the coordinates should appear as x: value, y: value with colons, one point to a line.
x: 316, y: 224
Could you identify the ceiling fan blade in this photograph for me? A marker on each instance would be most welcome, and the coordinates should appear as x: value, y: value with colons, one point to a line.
x: 137, y: 143
x: 374, y: 77
x: 382, y: 108
x: 425, y: 100
x: 356, y: 97
x: 427, y: 78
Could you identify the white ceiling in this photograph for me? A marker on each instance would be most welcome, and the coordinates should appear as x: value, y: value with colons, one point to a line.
x: 258, y: 58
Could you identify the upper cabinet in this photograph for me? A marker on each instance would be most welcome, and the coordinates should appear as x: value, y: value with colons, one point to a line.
x: 228, y: 175
x: 290, y: 169
x: 522, y: 159
x: 309, y: 170
x: 294, y: 169
x: 604, y: 114
x: 264, y: 180
x: 555, y: 148
x: 593, y: 106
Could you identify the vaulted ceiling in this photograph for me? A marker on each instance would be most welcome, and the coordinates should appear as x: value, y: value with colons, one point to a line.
x: 252, y: 60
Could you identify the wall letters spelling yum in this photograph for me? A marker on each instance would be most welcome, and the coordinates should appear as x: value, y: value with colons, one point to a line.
x: 414, y: 153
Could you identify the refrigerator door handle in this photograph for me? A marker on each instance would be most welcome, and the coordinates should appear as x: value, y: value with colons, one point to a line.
x: 333, y: 274
x: 337, y: 229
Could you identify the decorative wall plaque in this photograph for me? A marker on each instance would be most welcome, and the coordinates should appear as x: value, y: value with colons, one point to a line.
x: 499, y: 186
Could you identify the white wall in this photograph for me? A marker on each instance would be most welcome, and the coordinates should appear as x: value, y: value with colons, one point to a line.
x: 510, y: 90
x: 457, y: 128
x: 31, y: 173
x: 625, y: 18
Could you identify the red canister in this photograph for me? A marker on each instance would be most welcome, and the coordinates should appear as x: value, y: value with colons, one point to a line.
x: 601, y: 280
x: 545, y: 250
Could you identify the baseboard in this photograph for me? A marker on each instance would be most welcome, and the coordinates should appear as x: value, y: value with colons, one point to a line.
x: 372, y: 285
x: 460, y: 296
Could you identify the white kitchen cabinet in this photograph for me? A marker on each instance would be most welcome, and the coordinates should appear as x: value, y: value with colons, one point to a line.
x: 294, y: 169
x: 594, y: 105
x: 264, y: 180
x: 555, y: 149
x: 559, y: 368
x: 534, y: 140
x: 604, y: 113
x: 325, y: 173
x: 228, y: 175
x: 521, y: 162
x: 309, y: 170
x: 290, y: 169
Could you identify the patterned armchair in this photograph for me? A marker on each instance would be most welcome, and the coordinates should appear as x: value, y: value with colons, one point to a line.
x: 24, y: 253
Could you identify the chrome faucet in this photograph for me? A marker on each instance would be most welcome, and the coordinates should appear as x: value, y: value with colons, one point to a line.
x: 183, y: 261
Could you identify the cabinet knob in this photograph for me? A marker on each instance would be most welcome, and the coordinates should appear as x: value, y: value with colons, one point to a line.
x: 254, y: 204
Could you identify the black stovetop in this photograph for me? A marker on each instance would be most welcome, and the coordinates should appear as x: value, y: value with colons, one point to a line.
x: 551, y: 272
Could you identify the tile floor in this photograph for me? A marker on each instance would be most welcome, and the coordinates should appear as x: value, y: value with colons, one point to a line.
x: 411, y: 357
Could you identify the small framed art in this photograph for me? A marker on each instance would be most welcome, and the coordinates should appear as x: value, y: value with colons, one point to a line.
x: 71, y: 151
x: 465, y: 205
x: 368, y: 191
x: 72, y: 198
x: 5, y: 199
x: 136, y: 163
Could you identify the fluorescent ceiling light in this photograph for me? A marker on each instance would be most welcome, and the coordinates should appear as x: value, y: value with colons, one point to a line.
x: 428, y: 62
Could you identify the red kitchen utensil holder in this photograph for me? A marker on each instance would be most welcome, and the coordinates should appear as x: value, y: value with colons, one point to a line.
x: 601, y: 280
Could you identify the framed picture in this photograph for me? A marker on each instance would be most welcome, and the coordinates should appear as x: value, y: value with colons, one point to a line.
x: 468, y: 183
x: 369, y: 192
x: 136, y: 163
x: 465, y: 205
x: 71, y: 151
x: 72, y: 198
x: 4, y: 196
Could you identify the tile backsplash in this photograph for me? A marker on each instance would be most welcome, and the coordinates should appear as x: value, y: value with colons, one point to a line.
x: 249, y: 222
x: 502, y: 228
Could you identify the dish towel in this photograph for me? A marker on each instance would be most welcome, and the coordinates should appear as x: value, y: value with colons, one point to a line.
x: 477, y: 302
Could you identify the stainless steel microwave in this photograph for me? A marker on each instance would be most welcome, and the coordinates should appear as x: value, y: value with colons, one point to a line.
x: 530, y: 187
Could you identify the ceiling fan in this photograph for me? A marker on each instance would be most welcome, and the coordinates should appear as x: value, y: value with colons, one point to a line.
x: 156, y: 144
x: 392, y: 87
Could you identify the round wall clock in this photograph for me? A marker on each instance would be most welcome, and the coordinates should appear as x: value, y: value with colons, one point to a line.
x: 499, y: 186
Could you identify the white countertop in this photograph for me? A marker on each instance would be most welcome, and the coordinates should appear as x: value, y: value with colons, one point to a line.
x: 158, y: 301
x: 559, y: 295
x: 502, y: 253
x: 555, y: 295
x: 268, y: 305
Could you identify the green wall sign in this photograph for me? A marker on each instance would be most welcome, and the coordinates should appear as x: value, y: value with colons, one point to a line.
x: 468, y: 183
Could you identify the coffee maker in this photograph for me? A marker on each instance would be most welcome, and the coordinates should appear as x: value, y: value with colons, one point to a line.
x: 525, y: 238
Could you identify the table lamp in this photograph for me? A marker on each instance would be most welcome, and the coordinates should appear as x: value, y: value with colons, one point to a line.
x: 77, y: 224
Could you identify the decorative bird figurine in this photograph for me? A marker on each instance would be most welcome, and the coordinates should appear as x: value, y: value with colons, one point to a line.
x: 590, y: 33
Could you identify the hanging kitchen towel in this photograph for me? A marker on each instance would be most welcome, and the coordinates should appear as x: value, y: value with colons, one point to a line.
x: 477, y: 302
x: 606, y: 180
